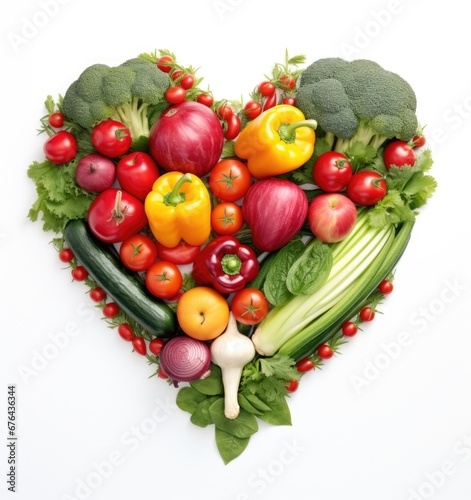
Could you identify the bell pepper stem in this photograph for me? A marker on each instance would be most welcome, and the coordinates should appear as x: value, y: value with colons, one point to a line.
x: 231, y: 264
x: 175, y: 197
x: 287, y: 131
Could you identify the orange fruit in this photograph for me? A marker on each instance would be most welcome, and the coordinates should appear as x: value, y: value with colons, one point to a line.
x: 203, y: 313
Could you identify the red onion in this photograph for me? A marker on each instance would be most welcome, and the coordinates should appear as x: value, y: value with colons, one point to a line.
x: 184, y: 359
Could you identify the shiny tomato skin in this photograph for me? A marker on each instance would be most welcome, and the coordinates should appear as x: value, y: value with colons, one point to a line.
x: 126, y: 332
x: 175, y: 95
x: 386, y: 287
x: 111, y: 138
x: 66, y: 255
x: 227, y: 218
x: 115, y: 215
x: 230, y: 179
x: 398, y: 153
x: 305, y: 365
x: 182, y: 254
x: 291, y: 101
x: 139, y: 345
x: 252, y: 109
x: 110, y: 310
x: 136, y: 173
x: 56, y: 119
x: 366, y: 188
x: 61, y: 148
x: 249, y: 306
x: 138, y: 252
x: 165, y: 64
x: 325, y: 351
x: 332, y: 171
x: 164, y: 279
x: 266, y: 88
x: 187, y: 81
x: 292, y: 386
x: 233, y: 125
x: 97, y: 294
x: 155, y: 346
x: 79, y: 273
x: 206, y: 99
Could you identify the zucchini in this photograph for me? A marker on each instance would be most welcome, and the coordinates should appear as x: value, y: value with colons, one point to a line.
x: 121, y: 284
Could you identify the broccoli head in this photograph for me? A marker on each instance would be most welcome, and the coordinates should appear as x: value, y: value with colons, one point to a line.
x: 127, y: 93
x: 357, y: 101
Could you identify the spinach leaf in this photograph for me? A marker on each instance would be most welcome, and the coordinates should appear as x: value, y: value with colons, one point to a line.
x: 230, y: 446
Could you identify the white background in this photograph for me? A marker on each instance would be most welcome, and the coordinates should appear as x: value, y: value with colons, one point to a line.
x: 382, y: 421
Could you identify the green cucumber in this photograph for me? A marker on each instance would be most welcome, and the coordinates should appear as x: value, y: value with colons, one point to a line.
x: 121, y: 284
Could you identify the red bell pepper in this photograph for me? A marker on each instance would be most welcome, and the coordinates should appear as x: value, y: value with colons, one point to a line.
x: 226, y: 264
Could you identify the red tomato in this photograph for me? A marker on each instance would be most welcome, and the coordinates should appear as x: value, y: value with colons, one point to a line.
x: 249, y: 306
x: 366, y: 188
x: 66, y: 255
x: 140, y: 346
x: 266, y: 89
x: 176, y: 74
x: 290, y: 101
x: 225, y: 111
x: 305, y: 365
x: 349, y: 329
x: 226, y: 218
x: 183, y: 253
x: 270, y: 102
x: 386, y: 287
x: 126, y: 332
x: 111, y: 138
x: 79, y: 273
x: 398, y: 153
x: 164, y: 279
x: 187, y: 81
x: 325, y: 351
x: 206, y: 99
x: 115, y: 215
x: 136, y: 173
x: 155, y: 346
x: 165, y: 64
x: 252, y: 109
x: 97, y: 294
x: 292, y: 386
x: 61, y: 148
x: 367, y: 314
x: 288, y: 82
x: 232, y: 127
x: 110, y: 310
x: 418, y: 141
x: 332, y: 171
x: 230, y: 179
x: 175, y: 95
x: 56, y: 120
x: 138, y: 252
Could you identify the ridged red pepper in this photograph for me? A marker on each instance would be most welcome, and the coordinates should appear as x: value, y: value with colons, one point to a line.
x: 226, y: 264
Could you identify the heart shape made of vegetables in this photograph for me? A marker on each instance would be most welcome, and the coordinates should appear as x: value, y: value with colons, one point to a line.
x: 234, y: 245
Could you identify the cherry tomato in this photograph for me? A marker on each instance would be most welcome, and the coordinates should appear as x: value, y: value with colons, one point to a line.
x: 366, y: 188
x: 164, y: 279
x: 305, y: 365
x: 270, y: 102
x: 332, y: 171
x: 162, y: 374
x: 290, y: 101
x: 206, y: 99
x: 126, y: 332
x: 61, y: 148
x: 266, y: 88
x: 182, y: 254
x: 418, y: 141
x: 176, y: 74
x: 225, y: 111
x: 140, y: 346
x: 175, y: 95
x: 249, y: 306
x: 187, y: 81
x: 386, y: 287
x: 79, y: 273
x: 398, y: 153
x: 56, y: 120
x: 227, y: 218
x: 288, y: 81
x: 165, y: 64
x: 292, y: 386
x: 230, y: 179
x: 155, y: 346
x: 349, y: 329
x: 252, y: 109
x: 97, y: 294
x: 325, y: 351
x: 138, y: 252
x: 66, y: 255
x: 367, y: 314
x: 110, y: 310
x: 232, y: 127
x: 111, y: 138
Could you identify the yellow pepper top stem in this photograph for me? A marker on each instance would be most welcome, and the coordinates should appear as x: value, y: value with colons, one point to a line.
x: 287, y: 131
x: 175, y: 197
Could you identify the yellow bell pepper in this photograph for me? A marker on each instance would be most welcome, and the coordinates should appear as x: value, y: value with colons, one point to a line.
x: 276, y: 142
x: 179, y: 208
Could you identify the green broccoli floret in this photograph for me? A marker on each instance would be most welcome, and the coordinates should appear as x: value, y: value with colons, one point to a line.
x: 357, y: 101
x: 126, y: 93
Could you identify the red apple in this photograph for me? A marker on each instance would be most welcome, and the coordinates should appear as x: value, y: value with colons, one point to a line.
x: 331, y: 216
x: 95, y: 173
x: 136, y: 173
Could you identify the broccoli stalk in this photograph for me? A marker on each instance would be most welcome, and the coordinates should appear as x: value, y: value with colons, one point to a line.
x: 134, y: 116
x: 364, y: 134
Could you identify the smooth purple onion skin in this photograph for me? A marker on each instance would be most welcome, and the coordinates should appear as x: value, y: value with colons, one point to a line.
x: 184, y: 359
